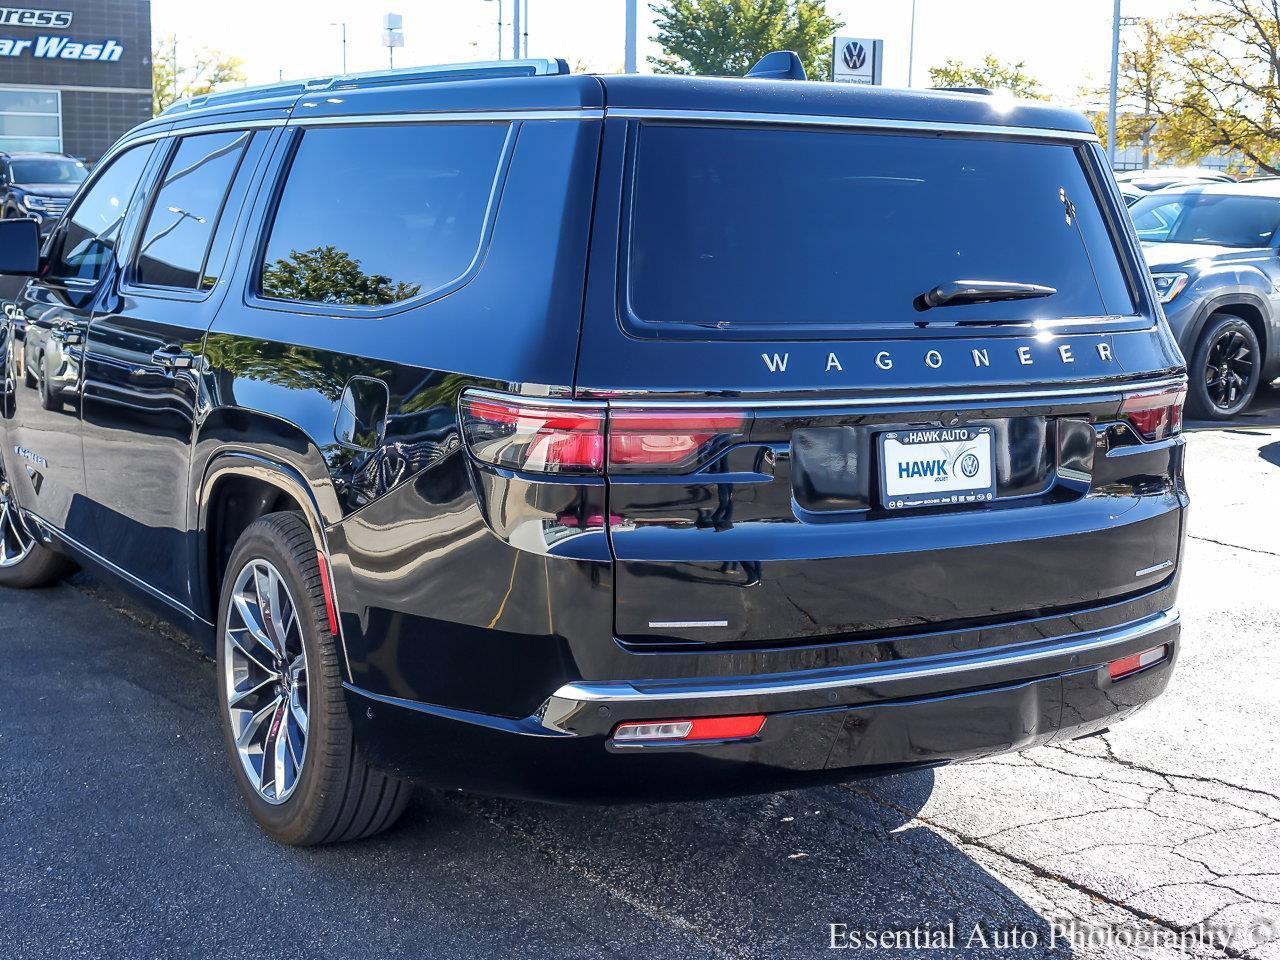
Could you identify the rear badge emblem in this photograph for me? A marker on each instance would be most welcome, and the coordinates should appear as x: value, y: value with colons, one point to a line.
x: 934, y: 359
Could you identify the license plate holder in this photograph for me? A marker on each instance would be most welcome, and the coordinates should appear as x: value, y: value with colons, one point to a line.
x: 936, y: 466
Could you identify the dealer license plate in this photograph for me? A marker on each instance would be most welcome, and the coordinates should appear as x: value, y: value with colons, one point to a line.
x: 944, y: 465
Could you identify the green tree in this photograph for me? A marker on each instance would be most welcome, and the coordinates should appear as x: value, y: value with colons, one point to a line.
x: 1145, y: 80
x: 990, y: 73
x: 727, y: 37
x: 329, y: 275
x: 207, y: 70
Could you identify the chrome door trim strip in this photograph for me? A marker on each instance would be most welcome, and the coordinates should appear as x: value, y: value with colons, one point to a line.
x: 862, y: 123
x: 573, y: 696
x: 924, y: 398
x: 119, y: 571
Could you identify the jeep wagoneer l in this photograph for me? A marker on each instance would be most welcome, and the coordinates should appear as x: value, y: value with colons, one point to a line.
x: 623, y: 438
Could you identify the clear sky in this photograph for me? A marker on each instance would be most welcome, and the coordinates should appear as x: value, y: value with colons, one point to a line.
x: 1065, y: 43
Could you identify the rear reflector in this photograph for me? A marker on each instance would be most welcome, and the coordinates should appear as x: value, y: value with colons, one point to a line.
x: 1138, y: 661
x: 1156, y: 415
x: 703, y: 728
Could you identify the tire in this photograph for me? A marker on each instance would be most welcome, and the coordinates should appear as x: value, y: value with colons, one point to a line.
x: 336, y: 796
x: 50, y: 399
x: 1225, y: 368
x: 24, y: 562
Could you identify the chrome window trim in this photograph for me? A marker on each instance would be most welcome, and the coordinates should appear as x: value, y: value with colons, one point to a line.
x: 860, y: 123
x: 1103, y: 391
x: 572, y: 696
x: 458, y: 116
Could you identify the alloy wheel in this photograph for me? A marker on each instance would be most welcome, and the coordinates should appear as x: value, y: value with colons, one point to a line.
x: 265, y: 680
x: 16, y: 540
x: 1228, y: 369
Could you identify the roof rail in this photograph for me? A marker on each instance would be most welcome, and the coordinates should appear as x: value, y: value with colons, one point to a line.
x: 479, y: 70
x: 981, y: 91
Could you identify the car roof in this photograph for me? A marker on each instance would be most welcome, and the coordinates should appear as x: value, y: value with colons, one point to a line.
x: 547, y: 86
x: 1255, y: 188
x: 34, y: 155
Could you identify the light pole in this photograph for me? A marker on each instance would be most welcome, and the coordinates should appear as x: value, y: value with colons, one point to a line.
x: 629, y: 56
x: 911, y: 46
x: 343, y: 27
x: 1115, y: 82
x: 499, y: 26
x: 515, y: 30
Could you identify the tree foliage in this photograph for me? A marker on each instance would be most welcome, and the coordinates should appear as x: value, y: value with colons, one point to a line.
x: 727, y: 37
x: 326, y: 274
x: 206, y: 71
x: 1204, y: 82
x: 990, y: 73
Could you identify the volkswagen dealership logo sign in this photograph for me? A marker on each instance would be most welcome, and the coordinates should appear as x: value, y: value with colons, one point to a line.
x: 856, y: 60
x: 854, y: 55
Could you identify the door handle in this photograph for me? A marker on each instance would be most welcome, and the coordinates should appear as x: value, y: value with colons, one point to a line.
x: 173, y: 359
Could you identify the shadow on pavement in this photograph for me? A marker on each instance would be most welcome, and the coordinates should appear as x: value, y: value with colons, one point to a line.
x: 120, y: 826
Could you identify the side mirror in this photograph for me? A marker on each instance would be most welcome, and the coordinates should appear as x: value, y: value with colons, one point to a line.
x: 20, y: 247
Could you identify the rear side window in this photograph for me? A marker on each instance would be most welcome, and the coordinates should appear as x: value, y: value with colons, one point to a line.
x: 737, y: 227
x: 373, y: 215
x: 87, y: 240
x: 174, y: 251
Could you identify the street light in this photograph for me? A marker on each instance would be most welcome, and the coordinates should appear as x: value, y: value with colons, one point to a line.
x: 343, y: 28
x: 911, y: 45
x: 499, y: 26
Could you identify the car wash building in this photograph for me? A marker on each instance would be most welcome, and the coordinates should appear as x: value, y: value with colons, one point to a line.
x: 73, y: 76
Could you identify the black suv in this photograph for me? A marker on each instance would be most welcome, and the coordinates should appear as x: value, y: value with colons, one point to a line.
x: 624, y: 437
x: 39, y: 185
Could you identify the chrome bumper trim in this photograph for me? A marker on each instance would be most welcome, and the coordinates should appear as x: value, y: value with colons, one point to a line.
x: 572, y: 697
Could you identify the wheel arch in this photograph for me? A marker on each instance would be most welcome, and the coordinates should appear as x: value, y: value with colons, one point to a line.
x: 258, y: 482
x: 1250, y: 308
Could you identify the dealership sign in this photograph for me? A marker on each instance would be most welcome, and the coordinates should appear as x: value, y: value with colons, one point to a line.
x: 52, y: 47
x: 856, y: 60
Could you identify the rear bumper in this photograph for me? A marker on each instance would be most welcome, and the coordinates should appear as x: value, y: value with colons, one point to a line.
x: 822, y: 726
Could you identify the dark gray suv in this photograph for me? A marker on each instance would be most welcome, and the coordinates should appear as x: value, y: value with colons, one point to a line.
x: 1214, y: 252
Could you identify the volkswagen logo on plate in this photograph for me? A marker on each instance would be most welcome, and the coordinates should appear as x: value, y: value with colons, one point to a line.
x: 854, y: 55
x: 969, y: 465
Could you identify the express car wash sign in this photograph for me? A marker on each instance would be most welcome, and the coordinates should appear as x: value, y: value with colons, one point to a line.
x: 50, y: 46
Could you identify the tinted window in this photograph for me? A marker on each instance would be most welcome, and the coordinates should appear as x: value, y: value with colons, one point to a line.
x: 88, y: 238
x: 175, y: 242
x: 1214, y: 218
x: 375, y: 215
x: 736, y: 227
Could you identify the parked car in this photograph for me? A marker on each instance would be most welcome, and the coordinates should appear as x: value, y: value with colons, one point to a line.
x: 1157, y: 178
x: 39, y: 185
x: 1214, y: 251
x: 602, y: 457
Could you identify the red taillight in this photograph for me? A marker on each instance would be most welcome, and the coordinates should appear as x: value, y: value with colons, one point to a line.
x: 1137, y: 661
x: 1155, y: 415
x: 534, y: 436
x: 569, y: 437
x: 671, y: 440
x: 701, y: 728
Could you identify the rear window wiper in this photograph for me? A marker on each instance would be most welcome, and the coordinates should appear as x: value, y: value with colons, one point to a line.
x: 959, y: 292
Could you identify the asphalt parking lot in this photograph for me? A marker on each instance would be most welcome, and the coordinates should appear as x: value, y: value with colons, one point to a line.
x: 121, y: 833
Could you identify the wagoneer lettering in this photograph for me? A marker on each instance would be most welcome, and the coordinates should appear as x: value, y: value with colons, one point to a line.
x: 605, y: 463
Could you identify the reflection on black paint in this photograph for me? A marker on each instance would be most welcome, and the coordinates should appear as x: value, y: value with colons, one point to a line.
x: 329, y: 275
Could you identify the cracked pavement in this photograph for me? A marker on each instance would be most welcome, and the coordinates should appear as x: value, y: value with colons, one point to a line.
x: 121, y: 834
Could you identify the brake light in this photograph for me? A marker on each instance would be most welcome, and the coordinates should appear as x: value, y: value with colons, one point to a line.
x: 702, y: 728
x: 671, y: 441
x: 1156, y: 415
x: 540, y: 436
x: 534, y: 435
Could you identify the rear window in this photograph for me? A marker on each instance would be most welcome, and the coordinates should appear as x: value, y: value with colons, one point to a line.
x: 737, y: 227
